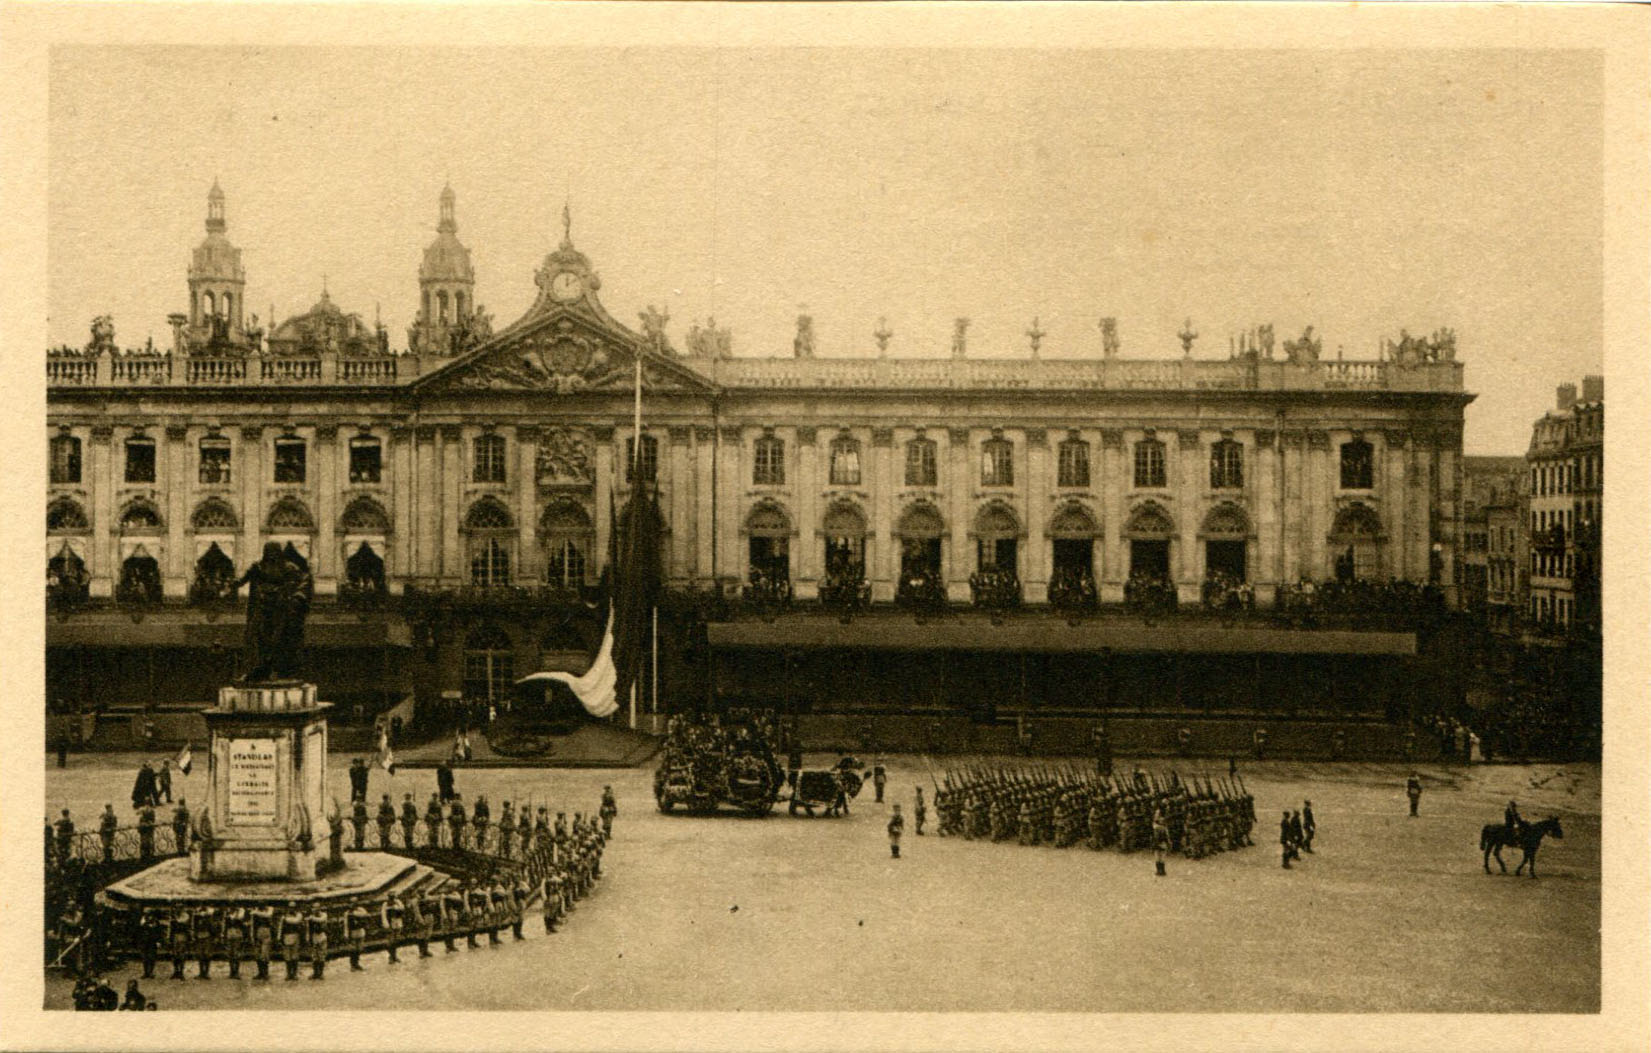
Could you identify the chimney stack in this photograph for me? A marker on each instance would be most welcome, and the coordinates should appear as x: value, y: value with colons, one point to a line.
x: 1567, y: 396
x: 1593, y: 389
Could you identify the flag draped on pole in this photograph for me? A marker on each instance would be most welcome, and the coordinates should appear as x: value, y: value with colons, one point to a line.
x: 185, y: 758
x: 596, y: 688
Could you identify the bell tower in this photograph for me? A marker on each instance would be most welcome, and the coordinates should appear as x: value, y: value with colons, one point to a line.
x: 217, y: 281
x: 447, y: 284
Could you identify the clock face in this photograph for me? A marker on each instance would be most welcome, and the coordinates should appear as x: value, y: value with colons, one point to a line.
x: 566, y: 286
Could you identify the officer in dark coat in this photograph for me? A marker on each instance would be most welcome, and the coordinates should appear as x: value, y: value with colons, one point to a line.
x: 358, y: 819
x: 1413, y: 790
x: 409, y: 821
x: 386, y: 821
x: 1284, y: 839
x: 444, y: 781
x: 1308, y: 827
x: 146, y: 833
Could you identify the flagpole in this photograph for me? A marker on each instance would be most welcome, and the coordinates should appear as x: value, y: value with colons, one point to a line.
x: 656, y: 666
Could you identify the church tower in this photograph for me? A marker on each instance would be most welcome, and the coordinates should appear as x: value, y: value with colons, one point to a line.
x: 217, y: 282
x: 447, y: 314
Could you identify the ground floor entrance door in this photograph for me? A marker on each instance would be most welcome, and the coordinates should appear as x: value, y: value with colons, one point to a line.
x: 1225, y: 559
x: 1149, y: 559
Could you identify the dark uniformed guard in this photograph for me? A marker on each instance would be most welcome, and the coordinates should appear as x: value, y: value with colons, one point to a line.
x: 235, y: 939
x: 150, y: 932
x: 316, y: 936
x: 520, y: 893
x: 432, y: 821
x: 291, y: 934
x: 1160, y: 838
x: 480, y: 817
x: 207, y: 932
x: 146, y: 833
x: 107, y: 824
x: 180, y: 827
x: 897, y: 826
x: 428, y: 921
x: 456, y: 820
x: 498, y: 911
x: 541, y: 829
x: 264, y: 924
x: 1284, y: 839
x: 1308, y: 827
x: 182, y: 921
x: 393, y: 916
x: 551, y: 906
x: 507, y: 831
x: 355, y: 928
x: 386, y: 820
x: 409, y: 821
x: 452, y: 917
x: 358, y: 819
x: 610, y: 808
x: 879, y: 778
x: 920, y: 812
x: 65, y: 836
x: 1512, y: 820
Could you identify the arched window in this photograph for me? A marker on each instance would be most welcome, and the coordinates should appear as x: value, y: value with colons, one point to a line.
x: 845, y: 461
x: 65, y: 453
x: 844, y: 528
x: 489, y: 459
x: 366, y: 460
x: 211, y: 304
x: 489, y: 664
x: 365, y: 516
x: 647, y: 463
x: 1150, y: 522
x: 214, y: 516
x: 1073, y: 468
x: 1355, y: 538
x: 921, y: 467
x: 214, y: 574
x: 920, y: 530
x: 427, y: 316
x: 1149, y: 464
x: 441, y: 306
x: 140, y: 517
x: 226, y: 306
x: 289, y: 516
x: 458, y: 306
x: 1072, y: 533
x: 1226, y: 521
x: 1226, y: 465
x: 1358, y: 465
x: 997, y: 462
x: 66, y: 577
x: 565, y: 530
x: 64, y: 516
x: 1073, y: 522
x: 768, y: 462
x: 997, y: 534
x: 214, y: 469
x: 140, y: 579
x: 364, y: 570
x: 488, y: 514
x: 489, y: 563
x: 140, y: 459
x: 768, y: 530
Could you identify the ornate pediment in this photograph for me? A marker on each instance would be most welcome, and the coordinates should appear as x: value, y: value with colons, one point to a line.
x: 564, y: 354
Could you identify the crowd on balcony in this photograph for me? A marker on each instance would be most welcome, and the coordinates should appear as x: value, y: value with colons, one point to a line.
x: 1072, y: 588
x: 845, y: 587
x: 1360, y: 596
x: 1150, y: 593
x: 920, y: 587
x: 1226, y: 592
x: 768, y: 588
x: 996, y: 588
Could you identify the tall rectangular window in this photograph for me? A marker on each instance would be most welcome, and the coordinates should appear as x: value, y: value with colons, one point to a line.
x: 290, y: 460
x: 565, y: 565
x: 1226, y: 465
x: 140, y: 460
x: 647, y: 463
x: 1149, y: 463
x: 1358, y: 467
x: 997, y: 463
x: 214, y: 461
x: 845, y: 461
x: 65, y: 459
x: 1073, y: 467
x: 920, y: 463
x: 768, y: 462
x: 489, y: 459
x: 366, y: 460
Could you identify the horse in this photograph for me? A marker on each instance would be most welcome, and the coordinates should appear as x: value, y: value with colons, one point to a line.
x: 1528, y: 837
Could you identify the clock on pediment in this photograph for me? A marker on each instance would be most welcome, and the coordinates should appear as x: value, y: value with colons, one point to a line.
x: 566, y: 277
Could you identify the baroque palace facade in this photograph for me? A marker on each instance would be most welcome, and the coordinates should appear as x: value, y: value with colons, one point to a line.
x: 484, y: 463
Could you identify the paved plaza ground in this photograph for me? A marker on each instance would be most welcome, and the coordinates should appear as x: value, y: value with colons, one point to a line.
x: 1390, y: 914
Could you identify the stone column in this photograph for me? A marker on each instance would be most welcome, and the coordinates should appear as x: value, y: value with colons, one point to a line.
x: 806, y: 486
x: 249, y: 460
x: 530, y: 554
x: 403, y: 485
x: 1294, y: 446
x: 426, y: 501
x: 607, y: 458
x: 682, y: 504
x: 1113, y: 484
x: 98, y: 472
x: 960, y: 482
x: 1188, y: 489
x: 704, y: 505
x: 453, y: 563
x: 1319, y: 502
x: 324, y: 560
x: 731, y: 558
x: 1388, y: 449
x: 1038, y: 553
x: 173, y: 475
x: 1267, y: 574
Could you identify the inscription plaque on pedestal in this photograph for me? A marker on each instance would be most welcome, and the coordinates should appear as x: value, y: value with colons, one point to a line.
x: 252, y: 782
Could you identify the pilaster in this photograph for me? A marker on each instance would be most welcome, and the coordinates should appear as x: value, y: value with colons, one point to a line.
x: 1038, y: 550
x: 173, y: 474
x: 453, y: 569
x: 960, y: 482
x: 529, y: 555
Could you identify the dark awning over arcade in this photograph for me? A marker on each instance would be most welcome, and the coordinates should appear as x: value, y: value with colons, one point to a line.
x: 1048, y: 635
x: 163, y: 629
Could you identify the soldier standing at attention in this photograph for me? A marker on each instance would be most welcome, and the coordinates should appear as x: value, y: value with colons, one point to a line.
x: 182, y: 921
x: 425, y: 914
x: 507, y: 829
x: 180, y: 826
x: 263, y: 938
x: 235, y: 939
x: 146, y: 833
x: 315, y: 936
x: 1413, y: 789
x: 149, y: 935
x: 879, y: 779
x: 610, y: 808
x: 386, y: 820
x: 65, y: 837
x: 551, y: 905
x: 1284, y: 838
x: 1308, y: 827
x: 106, y: 827
x: 292, y: 938
x: 207, y: 930
x: 456, y: 820
x: 393, y: 916
x: 520, y: 893
x: 355, y: 932
x: 1160, y: 838
x: 409, y: 821
x: 358, y: 819
x: 897, y: 826
x: 432, y: 822
x: 480, y: 816
x: 920, y: 812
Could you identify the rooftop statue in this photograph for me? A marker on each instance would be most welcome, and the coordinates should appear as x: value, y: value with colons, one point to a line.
x: 960, y: 337
x: 1306, y: 350
x: 803, y: 345
x: 1109, y: 337
x: 653, y: 328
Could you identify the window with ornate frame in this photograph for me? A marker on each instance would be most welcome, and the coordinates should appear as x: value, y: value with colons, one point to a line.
x: 65, y: 452
x: 1072, y: 469
x: 291, y: 455
x: 997, y: 462
x: 921, y: 467
x: 768, y: 462
x: 1226, y: 465
x: 845, y: 461
x: 647, y: 463
x: 366, y: 460
x: 1149, y: 464
x: 1358, y: 465
x: 488, y: 452
x: 140, y: 460
x: 215, y: 461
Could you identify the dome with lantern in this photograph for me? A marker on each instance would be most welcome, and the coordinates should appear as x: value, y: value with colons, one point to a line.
x: 324, y: 327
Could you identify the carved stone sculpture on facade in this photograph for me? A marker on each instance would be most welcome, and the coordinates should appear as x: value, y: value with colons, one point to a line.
x: 564, y: 456
x: 1304, y: 351
x: 708, y: 341
x: 103, y: 335
x: 653, y: 328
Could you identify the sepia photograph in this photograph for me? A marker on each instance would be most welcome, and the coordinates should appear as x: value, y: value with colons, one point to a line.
x: 715, y: 524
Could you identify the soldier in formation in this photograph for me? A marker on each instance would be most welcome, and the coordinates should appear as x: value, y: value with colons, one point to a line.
x: 1065, y: 806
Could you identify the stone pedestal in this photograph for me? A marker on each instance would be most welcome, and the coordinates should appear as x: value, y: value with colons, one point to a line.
x: 264, y: 818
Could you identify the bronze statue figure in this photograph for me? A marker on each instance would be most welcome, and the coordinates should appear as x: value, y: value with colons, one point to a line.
x: 278, y: 601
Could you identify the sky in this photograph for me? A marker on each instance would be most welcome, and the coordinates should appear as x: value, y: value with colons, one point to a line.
x: 1357, y: 191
